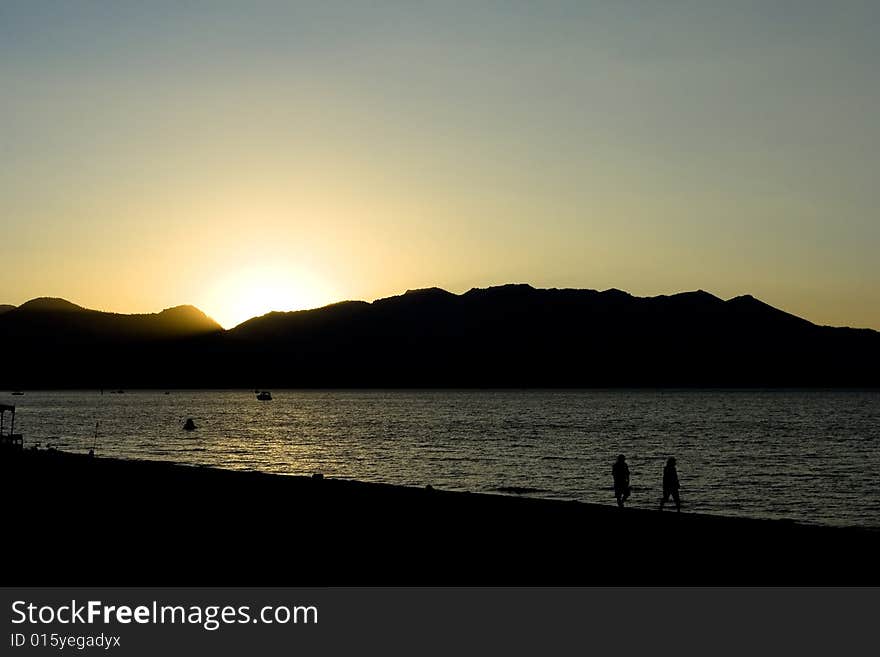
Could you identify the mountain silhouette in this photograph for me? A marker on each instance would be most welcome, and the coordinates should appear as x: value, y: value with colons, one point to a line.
x: 63, y: 322
x: 509, y: 335
x: 49, y: 305
x: 5, y: 308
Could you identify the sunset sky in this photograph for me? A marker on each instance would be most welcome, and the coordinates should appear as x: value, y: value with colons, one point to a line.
x: 250, y: 156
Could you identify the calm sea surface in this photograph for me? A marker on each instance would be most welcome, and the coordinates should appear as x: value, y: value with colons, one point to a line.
x: 813, y: 456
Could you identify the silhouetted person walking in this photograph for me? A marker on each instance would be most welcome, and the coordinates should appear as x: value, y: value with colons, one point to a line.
x: 620, y: 472
x: 670, y: 484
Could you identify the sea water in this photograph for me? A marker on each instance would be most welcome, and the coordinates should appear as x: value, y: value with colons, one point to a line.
x: 808, y: 455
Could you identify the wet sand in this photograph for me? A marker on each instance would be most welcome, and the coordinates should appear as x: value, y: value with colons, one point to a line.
x: 72, y: 520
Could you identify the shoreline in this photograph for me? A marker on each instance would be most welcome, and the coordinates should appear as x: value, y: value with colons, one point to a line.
x: 105, y: 521
x: 508, y: 492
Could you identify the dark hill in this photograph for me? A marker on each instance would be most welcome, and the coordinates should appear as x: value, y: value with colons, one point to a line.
x: 46, y: 319
x: 49, y: 305
x: 516, y: 335
x: 52, y: 342
x: 298, y: 325
x: 5, y: 308
x: 511, y: 335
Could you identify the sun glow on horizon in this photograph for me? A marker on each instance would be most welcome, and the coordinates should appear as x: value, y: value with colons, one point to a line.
x: 256, y: 291
x: 245, y: 157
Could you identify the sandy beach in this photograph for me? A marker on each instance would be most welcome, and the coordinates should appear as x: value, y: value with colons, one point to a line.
x: 75, y: 520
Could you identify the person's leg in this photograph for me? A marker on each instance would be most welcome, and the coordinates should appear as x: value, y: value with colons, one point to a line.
x: 617, y: 495
x: 677, y: 500
x: 664, y: 499
x: 626, y: 492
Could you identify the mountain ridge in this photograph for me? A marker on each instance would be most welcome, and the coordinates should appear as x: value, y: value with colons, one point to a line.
x: 49, y: 304
x: 501, y: 336
x: 59, y: 304
x: 64, y: 322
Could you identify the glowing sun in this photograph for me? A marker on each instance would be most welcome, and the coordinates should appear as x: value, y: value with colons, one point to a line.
x: 256, y: 291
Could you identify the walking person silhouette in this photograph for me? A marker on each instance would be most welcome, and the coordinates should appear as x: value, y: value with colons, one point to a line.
x: 620, y: 473
x: 670, y: 484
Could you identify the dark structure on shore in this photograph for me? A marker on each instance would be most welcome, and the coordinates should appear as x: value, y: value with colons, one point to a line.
x: 507, y: 336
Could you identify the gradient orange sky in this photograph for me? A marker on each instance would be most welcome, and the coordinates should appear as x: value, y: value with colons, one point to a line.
x: 245, y: 157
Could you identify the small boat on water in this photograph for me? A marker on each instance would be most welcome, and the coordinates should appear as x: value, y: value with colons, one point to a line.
x: 264, y: 395
x: 189, y: 425
x: 17, y: 393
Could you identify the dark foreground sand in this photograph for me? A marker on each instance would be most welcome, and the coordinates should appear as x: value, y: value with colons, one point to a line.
x: 71, y: 520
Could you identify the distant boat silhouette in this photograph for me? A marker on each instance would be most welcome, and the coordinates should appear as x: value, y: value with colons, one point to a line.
x: 265, y: 395
x: 17, y: 393
x: 189, y: 425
